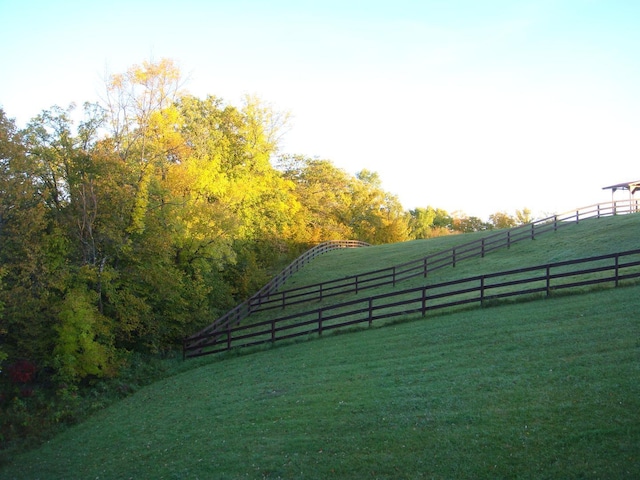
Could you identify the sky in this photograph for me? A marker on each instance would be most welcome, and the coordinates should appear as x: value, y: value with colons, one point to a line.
x: 471, y: 106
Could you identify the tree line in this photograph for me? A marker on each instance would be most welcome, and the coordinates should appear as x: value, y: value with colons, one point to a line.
x: 142, y: 218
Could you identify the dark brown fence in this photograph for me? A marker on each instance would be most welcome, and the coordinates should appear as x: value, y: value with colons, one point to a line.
x: 269, y: 297
x: 243, y: 310
x: 539, y: 280
x: 421, y: 267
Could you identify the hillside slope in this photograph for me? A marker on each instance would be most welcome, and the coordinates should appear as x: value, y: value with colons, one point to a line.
x: 388, y: 268
x: 588, y: 238
x: 544, y: 389
x: 596, y: 236
x: 547, y: 389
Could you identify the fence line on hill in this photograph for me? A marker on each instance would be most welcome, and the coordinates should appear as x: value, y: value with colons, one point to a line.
x: 268, y: 298
x: 244, y: 309
x: 421, y: 267
x: 538, y: 280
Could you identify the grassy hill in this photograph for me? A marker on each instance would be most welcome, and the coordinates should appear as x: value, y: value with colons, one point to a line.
x: 588, y: 238
x: 543, y: 389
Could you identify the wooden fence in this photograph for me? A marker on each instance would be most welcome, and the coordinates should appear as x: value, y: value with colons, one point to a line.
x: 269, y: 297
x: 243, y: 310
x: 421, y: 267
x: 530, y: 281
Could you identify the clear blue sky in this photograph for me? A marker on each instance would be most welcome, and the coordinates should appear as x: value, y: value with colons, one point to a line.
x: 471, y: 105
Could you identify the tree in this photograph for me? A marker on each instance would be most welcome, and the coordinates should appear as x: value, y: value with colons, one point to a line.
x: 142, y: 118
x: 429, y: 222
x: 3, y: 330
x: 523, y: 216
x: 323, y: 191
x: 84, y: 343
x: 336, y: 205
x: 237, y: 202
x: 375, y: 216
x: 502, y: 220
x: 466, y: 224
x: 32, y: 250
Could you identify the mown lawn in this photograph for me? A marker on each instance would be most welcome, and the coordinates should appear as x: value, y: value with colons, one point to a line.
x: 544, y: 389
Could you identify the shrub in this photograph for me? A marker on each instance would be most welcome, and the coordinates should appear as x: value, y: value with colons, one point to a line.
x: 22, y: 371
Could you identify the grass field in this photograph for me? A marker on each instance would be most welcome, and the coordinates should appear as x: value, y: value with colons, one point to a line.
x: 542, y: 389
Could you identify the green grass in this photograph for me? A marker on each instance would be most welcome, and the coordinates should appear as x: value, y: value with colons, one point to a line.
x: 547, y: 389
x: 540, y: 389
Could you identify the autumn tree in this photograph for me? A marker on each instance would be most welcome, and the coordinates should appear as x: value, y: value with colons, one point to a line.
x: 523, y: 216
x: 374, y: 215
x: 502, y: 220
x: 337, y: 205
x: 466, y: 224
x: 235, y: 197
x: 155, y: 296
x: 323, y: 191
x: 156, y: 213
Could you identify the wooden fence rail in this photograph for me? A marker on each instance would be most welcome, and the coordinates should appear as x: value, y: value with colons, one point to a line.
x: 537, y: 280
x: 243, y: 310
x: 270, y: 297
x: 421, y: 267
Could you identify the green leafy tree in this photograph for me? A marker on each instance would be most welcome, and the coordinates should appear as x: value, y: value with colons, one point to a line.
x: 429, y: 222
x: 84, y: 343
x: 421, y: 222
x: 32, y: 249
x: 3, y: 331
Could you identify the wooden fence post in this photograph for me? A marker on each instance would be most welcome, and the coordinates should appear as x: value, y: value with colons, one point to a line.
x: 320, y: 322
x: 424, y: 301
x: 548, y: 280
x: 453, y: 257
x: 370, y: 311
x: 482, y: 248
x: 617, y: 268
x: 482, y: 291
x: 425, y: 267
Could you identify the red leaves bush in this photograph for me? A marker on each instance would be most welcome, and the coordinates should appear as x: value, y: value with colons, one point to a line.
x: 22, y: 371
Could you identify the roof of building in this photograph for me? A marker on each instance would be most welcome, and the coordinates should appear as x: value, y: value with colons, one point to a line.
x: 633, y: 187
